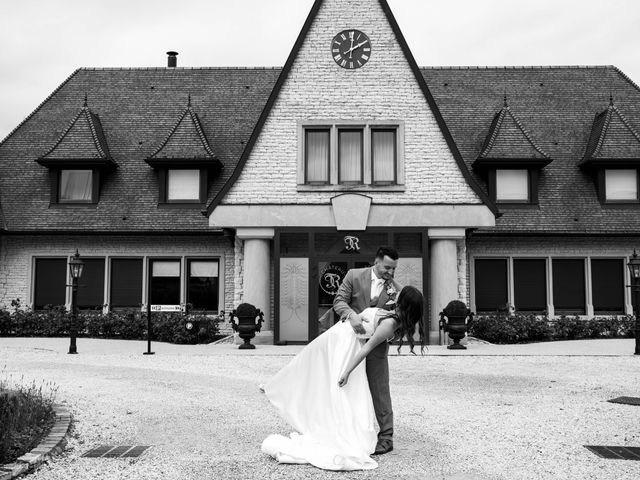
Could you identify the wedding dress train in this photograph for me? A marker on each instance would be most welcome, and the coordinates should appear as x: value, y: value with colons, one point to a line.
x: 336, y: 428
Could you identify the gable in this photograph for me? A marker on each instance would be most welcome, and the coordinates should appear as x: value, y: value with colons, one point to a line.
x: 387, y: 89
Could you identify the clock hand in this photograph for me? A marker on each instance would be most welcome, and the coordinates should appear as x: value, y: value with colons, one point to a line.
x: 355, y: 47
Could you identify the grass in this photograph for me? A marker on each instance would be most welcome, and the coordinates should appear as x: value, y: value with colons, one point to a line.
x: 26, y: 415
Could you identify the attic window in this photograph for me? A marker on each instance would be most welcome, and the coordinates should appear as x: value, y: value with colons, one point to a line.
x: 621, y: 185
x: 76, y: 186
x: 183, y: 185
x: 512, y: 185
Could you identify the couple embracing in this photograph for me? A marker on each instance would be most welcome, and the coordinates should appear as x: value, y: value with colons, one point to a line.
x: 340, y: 406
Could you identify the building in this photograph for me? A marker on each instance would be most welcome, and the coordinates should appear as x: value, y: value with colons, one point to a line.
x: 214, y: 186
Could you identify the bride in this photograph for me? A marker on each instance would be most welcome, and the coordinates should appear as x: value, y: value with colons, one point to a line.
x: 324, y: 395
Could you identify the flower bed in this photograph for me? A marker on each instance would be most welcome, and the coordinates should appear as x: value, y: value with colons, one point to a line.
x: 26, y: 416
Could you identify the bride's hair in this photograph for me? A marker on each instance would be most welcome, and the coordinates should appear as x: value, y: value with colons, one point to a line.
x: 409, y: 311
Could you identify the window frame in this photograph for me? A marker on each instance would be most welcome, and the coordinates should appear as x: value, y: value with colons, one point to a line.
x: 532, y: 185
x: 56, y: 181
x: 163, y: 182
x: 367, y: 182
x: 602, y: 189
x: 187, y: 275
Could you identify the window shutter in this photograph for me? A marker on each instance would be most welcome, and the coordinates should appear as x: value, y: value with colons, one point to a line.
x: 91, y: 284
x: 530, y: 284
x: 50, y: 282
x: 490, y: 284
x: 568, y: 286
x: 126, y: 282
x: 607, y: 284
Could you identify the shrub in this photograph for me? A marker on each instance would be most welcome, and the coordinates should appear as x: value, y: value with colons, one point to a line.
x: 26, y: 415
x: 503, y: 328
x: 126, y: 324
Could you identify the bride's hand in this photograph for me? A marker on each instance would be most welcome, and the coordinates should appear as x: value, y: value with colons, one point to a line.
x: 343, y: 380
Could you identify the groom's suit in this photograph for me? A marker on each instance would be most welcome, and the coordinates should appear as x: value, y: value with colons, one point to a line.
x: 354, y: 295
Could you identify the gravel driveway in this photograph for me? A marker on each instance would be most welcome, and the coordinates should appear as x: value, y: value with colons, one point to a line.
x: 497, y: 415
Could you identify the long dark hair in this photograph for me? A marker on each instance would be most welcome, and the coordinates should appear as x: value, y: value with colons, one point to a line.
x: 409, y: 311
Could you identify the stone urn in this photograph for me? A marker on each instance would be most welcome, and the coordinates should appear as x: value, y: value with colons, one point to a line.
x: 455, y: 320
x: 246, y: 320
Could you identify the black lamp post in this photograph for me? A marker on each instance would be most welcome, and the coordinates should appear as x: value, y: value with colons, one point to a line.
x: 75, y: 268
x: 634, y: 270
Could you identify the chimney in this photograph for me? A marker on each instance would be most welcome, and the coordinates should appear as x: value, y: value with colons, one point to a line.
x: 172, y: 61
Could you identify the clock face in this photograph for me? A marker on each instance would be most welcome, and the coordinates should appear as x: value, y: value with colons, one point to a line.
x: 351, y: 49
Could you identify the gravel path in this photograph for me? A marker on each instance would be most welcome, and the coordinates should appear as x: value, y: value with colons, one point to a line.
x: 457, y: 417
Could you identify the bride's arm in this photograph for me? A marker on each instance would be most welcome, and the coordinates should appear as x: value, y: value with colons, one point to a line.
x: 384, y: 331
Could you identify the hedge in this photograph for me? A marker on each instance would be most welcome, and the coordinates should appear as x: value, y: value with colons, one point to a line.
x: 128, y: 325
x: 501, y: 328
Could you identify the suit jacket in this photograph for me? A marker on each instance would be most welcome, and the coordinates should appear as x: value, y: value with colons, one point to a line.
x: 354, y: 294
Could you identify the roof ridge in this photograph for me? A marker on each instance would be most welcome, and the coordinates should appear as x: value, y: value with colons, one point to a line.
x: 180, y: 68
x: 515, y: 67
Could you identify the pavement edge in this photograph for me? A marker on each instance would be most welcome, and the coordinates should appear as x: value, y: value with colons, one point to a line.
x: 52, y: 444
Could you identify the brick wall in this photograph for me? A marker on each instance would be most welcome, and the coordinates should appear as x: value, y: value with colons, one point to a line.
x: 17, y: 254
x: 318, y: 89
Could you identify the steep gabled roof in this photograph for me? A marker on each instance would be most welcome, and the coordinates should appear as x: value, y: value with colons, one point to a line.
x: 82, y: 143
x: 612, y: 141
x: 185, y: 144
x: 508, y: 142
x: 417, y: 74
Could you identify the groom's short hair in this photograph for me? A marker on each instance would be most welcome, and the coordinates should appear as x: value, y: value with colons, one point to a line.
x: 388, y: 251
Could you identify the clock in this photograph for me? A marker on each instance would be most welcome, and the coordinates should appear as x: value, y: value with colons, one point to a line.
x: 351, y: 49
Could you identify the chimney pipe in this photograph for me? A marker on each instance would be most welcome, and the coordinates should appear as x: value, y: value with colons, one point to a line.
x: 172, y: 61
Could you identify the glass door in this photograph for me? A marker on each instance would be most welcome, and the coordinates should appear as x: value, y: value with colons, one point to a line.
x: 330, y: 276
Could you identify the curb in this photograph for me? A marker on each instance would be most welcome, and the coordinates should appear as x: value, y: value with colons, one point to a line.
x: 52, y: 444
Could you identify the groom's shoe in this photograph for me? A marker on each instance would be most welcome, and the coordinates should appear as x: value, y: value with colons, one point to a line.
x: 384, y: 445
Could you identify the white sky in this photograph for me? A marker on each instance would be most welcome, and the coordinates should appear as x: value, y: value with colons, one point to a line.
x: 43, y: 41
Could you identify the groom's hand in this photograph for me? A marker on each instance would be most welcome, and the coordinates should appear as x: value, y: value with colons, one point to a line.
x: 356, y: 323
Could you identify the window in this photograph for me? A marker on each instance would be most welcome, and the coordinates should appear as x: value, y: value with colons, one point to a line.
x: 126, y: 282
x: 568, y: 286
x: 607, y: 285
x: 530, y: 284
x: 317, y: 156
x: 75, y: 186
x: 383, y: 154
x: 512, y: 185
x: 348, y: 156
x: 621, y: 185
x: 50, y: 284
x: 490, y: 284
x: 91, y: 284
x: 165, y: 282
x: 183, y: 185
x: 202, y: 284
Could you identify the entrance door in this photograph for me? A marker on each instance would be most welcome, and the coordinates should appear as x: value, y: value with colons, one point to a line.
x: 328, y: 280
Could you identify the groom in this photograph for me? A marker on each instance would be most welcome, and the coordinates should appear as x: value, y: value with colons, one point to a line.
x: 360, y: 289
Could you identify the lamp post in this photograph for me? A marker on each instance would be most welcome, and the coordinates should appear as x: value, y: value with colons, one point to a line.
x: 634, y: 270
x: 75, y: 268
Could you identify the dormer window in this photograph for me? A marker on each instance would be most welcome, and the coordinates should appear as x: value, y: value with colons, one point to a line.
x: 612, y: 157
x: 184, y: 162
x: 76, y: 186
x: 620, y: 185
x: 511, y: 161
x: 184, y: 185
x: 512, y: 185
x: 78, y: 161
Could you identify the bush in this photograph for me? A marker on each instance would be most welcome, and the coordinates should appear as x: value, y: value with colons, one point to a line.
x: 126, y: 325
x: 26, y: 416
x: 503, y: 328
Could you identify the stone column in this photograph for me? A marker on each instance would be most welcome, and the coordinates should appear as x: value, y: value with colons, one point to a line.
x: 443, y: 276
x: 257, y: 271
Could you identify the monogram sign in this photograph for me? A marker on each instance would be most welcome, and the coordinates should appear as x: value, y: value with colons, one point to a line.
x: 352, y: 243
x: 331, y: 278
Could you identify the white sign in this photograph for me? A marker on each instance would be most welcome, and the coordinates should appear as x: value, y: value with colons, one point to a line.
x: 167, y: 308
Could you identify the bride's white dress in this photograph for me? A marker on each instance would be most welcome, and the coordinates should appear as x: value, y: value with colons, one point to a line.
x: 336, y: 428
